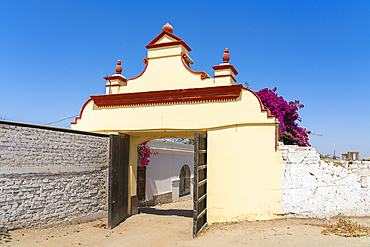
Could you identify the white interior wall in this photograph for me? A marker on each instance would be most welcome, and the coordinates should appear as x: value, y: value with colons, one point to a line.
x: 163, y: 171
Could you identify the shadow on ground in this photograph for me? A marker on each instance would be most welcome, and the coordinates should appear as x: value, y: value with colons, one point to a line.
x: 5, y: 237
x: 177, y: 212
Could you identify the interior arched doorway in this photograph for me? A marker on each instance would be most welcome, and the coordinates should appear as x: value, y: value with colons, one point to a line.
x: 185, y: 177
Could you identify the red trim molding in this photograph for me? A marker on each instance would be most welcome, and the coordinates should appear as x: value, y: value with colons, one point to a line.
x: 225, y: 66
x: 203, y: 74
x: 146, y: 61
x: 232, y: 77
x: 163, y: 33
x: 113, y: 85
x: 231, y: 92
x: 178, y: 41
x: 276, y: 135
x: 261, y: 105
x: 83, y: 108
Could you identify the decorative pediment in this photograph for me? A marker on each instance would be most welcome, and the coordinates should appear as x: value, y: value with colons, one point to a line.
x: 166, y: 38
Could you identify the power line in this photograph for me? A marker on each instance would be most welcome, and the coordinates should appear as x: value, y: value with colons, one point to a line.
x: 61, y: 120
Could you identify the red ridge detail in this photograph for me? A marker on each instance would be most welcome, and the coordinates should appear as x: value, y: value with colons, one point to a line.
x: 203, y: 73
x: 169, y: 44
x: 162, y: 34
x: 225, y: 66
x: 261, y: 105
x: 146, y: 61
x: 83, y: 108
x: 231, y: 92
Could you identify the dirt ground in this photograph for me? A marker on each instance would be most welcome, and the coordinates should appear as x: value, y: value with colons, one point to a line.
x: 171, y: 225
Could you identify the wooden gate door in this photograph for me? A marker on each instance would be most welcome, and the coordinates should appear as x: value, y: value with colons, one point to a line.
x: 141, y: 182
x: 200, y: 183
x: 118, y: 179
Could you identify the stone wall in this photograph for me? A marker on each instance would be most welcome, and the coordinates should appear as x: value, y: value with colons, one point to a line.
x: 313, y: 187
x: 51, y: 175
x: 157, y: 199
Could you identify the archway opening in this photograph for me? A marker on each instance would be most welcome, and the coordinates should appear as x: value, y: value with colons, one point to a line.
x: 185, y: 176
x: 169, y: 167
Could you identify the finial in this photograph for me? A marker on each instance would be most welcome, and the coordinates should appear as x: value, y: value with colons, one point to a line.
x: 118, y: 67
x: 226, y: 56
x: 167, y: 28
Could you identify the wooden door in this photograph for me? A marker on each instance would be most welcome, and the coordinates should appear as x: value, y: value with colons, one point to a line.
x: 118, y: 179
x: 141, y: 183
x: 200, y: 183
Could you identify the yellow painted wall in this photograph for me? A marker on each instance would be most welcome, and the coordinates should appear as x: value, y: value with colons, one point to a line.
x: 244, y: 174
x: 166, y: 73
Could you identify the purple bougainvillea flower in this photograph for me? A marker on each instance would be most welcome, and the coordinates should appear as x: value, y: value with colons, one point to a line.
x: 287, y: 114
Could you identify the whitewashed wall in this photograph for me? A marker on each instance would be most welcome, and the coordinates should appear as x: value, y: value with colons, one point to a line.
x: 163, y: 171
x: 312, y: 187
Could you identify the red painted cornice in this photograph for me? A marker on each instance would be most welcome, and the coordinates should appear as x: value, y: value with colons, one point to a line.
x: 178, y: 41
x: 225, y: 66
x: 205, y: 94
x: 115, y: 77
x: 231, y: 92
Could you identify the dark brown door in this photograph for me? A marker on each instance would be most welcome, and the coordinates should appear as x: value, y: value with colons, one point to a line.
x: 141, y: 181
x: 200, y: 183
x: 118, y: 179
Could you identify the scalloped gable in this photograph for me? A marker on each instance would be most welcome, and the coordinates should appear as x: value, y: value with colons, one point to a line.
x: 166, y: 39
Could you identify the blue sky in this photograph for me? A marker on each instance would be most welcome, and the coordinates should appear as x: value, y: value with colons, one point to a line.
x: 54, y: 54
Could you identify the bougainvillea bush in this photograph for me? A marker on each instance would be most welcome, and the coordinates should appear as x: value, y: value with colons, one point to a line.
x: 144, y: 153
x: 287, y: 114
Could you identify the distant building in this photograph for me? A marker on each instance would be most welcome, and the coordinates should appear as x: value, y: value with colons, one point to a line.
x: 351, y: 156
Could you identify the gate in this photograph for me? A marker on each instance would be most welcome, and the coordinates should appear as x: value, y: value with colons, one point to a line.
x: 118, y: 179
x: 200, y: 183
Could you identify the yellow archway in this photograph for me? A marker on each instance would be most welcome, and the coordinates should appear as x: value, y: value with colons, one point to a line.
x: 168, y: 99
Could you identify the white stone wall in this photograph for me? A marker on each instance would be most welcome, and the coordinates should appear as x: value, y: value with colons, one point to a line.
x: 50, y: 175
x: 313, y: 187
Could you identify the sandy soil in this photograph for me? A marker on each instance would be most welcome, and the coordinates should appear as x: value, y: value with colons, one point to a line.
x: 171, y: 225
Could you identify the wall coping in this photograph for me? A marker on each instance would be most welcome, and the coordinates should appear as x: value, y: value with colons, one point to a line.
x: 37, y: 126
